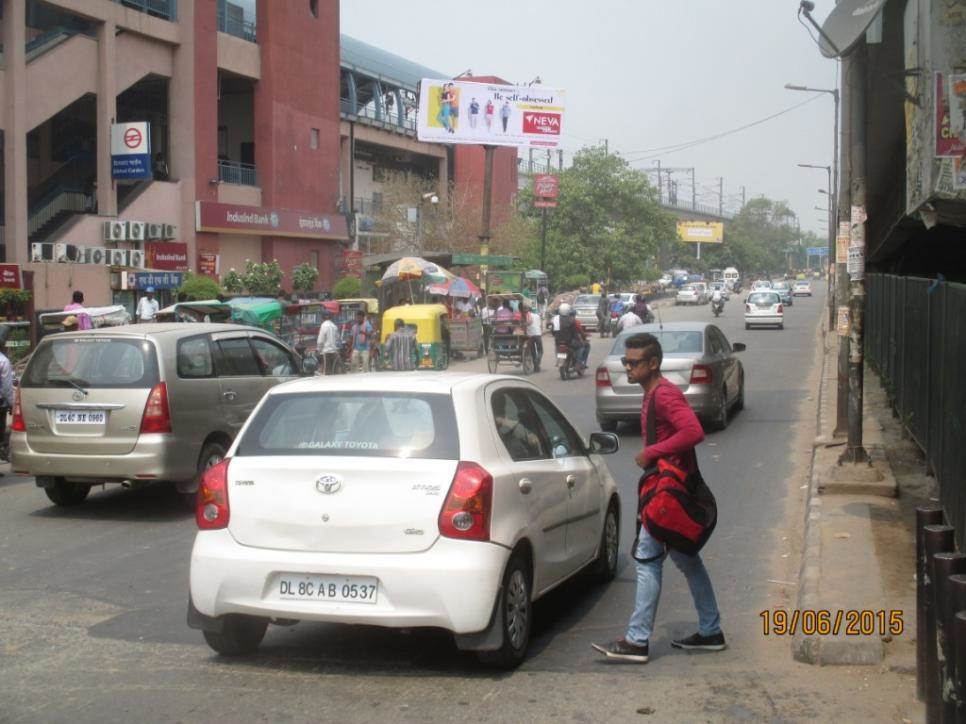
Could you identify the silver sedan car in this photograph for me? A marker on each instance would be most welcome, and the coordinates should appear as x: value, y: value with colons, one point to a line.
x: 698, y: 358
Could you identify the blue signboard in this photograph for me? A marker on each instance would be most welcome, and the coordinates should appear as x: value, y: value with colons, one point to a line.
x: 817, y: 251
x: 158, y: 280
x: 130, y: 151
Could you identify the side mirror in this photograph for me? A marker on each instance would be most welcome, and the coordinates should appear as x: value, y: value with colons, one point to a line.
x: 739, y: 347
x: 604, y: 443
x: 310, y: 365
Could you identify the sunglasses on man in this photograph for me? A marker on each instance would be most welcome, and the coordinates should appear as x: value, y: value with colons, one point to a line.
x: 632, y: 363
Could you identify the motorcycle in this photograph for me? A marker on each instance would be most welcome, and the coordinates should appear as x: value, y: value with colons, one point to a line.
x: 717, y: 307
x: 567, y: 362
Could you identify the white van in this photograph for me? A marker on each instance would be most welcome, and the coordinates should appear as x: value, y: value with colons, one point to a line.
x: 731, y: 277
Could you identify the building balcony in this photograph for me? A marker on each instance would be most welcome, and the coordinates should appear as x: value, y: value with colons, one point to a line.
x: 238, y: 26
x: 165, y: 9
x: 388, y: 120
x: 234, y: 172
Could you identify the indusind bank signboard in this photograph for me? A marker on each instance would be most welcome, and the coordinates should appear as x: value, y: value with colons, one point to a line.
x: 255, y: 220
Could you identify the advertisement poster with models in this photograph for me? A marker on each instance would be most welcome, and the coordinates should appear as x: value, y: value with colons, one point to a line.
x: 452, y: 111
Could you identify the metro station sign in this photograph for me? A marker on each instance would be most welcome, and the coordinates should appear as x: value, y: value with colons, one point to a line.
x: 130, y: 151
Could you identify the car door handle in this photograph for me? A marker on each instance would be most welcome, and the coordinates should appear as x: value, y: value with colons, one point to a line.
x: 525, y: 486
x: 571, y: 481
x: 228, y: 394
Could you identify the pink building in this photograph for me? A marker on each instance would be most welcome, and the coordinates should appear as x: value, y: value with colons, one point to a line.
x: 242, y: 102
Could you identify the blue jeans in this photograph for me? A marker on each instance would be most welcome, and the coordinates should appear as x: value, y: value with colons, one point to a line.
x: 641, y: 625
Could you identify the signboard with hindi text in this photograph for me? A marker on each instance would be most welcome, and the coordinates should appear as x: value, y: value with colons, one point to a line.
x: 702, y: 232
x: 130, y: 151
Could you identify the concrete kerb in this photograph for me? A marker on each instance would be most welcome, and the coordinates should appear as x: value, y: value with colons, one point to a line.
x: 849, y: 578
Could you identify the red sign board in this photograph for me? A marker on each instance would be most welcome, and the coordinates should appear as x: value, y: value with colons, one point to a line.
x: 541, y: 204
x: 351, y: 265
x: 9, y: 276
x: 166, y: 256
x: 237, y: 219
x: 208, y: 263
x: 948, y: 142
x: 547, y: 124
x: 545, y: 186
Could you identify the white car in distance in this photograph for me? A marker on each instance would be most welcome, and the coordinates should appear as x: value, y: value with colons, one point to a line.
x: 401, y: 500
x: 764, y: 308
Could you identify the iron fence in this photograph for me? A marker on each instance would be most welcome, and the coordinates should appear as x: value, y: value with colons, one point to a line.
x: 233, y: 172
x: 916, y: 340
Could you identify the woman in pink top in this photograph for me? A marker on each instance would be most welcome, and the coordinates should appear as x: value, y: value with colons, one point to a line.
x: 77, y: 305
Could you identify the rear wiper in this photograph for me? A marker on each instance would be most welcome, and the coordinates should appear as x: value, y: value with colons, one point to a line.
x: 72, y: 384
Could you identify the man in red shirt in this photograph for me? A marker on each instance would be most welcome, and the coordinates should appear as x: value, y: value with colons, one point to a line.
x: 678, y: 432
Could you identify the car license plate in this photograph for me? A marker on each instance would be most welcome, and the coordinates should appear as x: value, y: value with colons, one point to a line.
x: 339, y: 589
x: 764, y: 306
x: 561, y: 356
x: 80, y: 417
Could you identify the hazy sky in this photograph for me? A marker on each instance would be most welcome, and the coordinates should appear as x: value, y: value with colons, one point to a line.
x: 645, y: 74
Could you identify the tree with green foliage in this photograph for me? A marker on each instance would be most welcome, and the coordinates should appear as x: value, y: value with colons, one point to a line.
x: 304, y: 277
x: 347, y: 288
x: 233, y: 282
x: 607, y: 224
x: 197, y: 287
x: 263, y: 278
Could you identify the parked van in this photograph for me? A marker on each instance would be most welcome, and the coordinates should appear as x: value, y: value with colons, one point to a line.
x: 152, y: 402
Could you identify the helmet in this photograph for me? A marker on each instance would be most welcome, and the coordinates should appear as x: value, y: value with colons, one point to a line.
x: 565, y: 310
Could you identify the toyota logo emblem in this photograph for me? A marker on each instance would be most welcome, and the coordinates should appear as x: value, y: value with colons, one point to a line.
x: 328, y: 484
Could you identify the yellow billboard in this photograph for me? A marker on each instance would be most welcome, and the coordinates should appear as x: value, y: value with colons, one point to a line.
x: 704, y: 232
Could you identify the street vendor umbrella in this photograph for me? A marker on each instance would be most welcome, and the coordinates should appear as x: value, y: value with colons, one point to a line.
x: 463, y: 287
x: 414, y: 267
x: 536, y: 274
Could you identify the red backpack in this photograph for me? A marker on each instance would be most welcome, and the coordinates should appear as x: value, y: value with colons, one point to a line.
x: 677, y: 507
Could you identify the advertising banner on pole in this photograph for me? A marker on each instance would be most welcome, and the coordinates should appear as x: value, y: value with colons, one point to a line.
x: 130, y: 151
x: 453, y: 111
x: 545, y: 191
x: 950, y: 110
x: 702, y: 232
x: 842, y: 243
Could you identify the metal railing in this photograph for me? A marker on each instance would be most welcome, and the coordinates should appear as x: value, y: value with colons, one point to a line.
x: 239, y: 27
x: 234, y: 172
x: 916, y: 340
x: 166, y: 9
x: 368, y: 115
x: 363, y: 205
x: 55, y: 203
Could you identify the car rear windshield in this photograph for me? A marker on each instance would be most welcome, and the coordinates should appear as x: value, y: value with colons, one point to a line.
x: 93, y: 362
x: 364, y: 424
x: 587, y: 300
x: 763, y: 298
x: 672, y: 342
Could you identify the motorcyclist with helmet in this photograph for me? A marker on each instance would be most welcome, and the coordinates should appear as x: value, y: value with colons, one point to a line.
x: 573, y: 335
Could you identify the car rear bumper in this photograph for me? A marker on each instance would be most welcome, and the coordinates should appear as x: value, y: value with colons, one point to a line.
x: 453, y: 585
x: 588, y: 323
x: 615, y: 407
x: 764, y: 319
x: 153, y: 457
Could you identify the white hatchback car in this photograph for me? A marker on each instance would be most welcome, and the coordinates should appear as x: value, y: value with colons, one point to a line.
x: 401, y: 500
x: 764, y: 308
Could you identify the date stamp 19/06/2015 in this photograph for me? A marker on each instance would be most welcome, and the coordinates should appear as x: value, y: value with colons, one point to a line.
x: 824, y: 622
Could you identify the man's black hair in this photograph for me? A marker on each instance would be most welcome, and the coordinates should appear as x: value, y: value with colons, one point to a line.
x: 78, y: 297
x: 647, y: 342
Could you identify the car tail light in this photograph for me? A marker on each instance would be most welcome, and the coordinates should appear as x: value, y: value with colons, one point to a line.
x: 781, y: 309
x: 466, y: 511
x: 157, y: 416
x: 18, y: 424
x: 211, y: 508
x: 701, y: 375
x: 603, y: 377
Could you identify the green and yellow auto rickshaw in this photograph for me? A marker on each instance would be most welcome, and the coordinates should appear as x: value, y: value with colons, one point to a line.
x: 208, y: 310
x: 429, y: 322
x: 263, y: 312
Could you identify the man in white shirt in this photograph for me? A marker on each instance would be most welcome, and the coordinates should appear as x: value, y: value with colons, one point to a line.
x: 628, y: 319
x: 148, y: 307
x: 327, y: 343
x: 535, y: 335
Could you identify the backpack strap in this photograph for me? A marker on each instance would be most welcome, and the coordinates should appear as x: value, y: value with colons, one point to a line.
x: 651, y: 421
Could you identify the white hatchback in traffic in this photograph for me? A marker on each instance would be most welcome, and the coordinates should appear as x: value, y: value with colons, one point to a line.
x: 401, y: 500
x: 764, y: 308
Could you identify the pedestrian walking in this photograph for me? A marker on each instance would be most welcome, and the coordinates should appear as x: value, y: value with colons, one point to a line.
x: 6, y: 392
x: 148, y: 307
x: 327, y: 344
x: 677, y: 433
x: 77, y: 306
x: 361, y: 334
x: 534, y: 336
x: 401, y: 347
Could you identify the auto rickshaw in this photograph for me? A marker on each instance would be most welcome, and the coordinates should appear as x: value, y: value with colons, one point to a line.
x: 430, y: 324
x: 53, y: 322
x: 300, y: 322
x: 208, y: 310
x: 262, y: 312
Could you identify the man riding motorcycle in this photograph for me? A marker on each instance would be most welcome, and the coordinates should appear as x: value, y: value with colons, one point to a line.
x: 642, y: 310
x: 717, y: 302
x: 572, y: 335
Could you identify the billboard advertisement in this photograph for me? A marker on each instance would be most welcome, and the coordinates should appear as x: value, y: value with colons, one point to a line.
x: 130, y: 151
x: 702, y: 232
x: 453, y: 111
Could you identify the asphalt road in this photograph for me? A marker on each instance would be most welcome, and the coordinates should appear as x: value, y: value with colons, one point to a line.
x: 92, y: 601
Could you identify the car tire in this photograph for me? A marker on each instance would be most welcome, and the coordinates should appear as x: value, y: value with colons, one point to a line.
x: 721, y: 419
x: 67, y: 494
x: 740, y: 402
x: 781, y: 326
x: 239, y: 635
x: 211, y: 454
x: 514, y: 611
x: 608, y: 425
x: 604, y: 567
x: 747, y: 326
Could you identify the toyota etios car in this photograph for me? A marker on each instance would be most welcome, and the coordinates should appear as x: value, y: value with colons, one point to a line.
x: 401, y: 500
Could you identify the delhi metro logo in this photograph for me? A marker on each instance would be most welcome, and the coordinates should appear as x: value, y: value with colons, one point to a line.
x: 547, y: 124
x: 132, y: 138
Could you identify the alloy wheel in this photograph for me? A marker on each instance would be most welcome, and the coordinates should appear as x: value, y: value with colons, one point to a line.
x: 517, y: 609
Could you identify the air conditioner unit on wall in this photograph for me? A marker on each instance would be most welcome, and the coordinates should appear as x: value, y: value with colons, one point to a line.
x: 170, y: 231
x: 95, y: 255
x: 135, y: 231
x: 115, y: 231
x: 154, y: 232
x: 136, y: 259
x: 117, y: 257
x: 64, y: 252
x: 41, y: 252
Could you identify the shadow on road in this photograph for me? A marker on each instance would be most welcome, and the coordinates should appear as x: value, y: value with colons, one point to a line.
x: 154, y: 503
